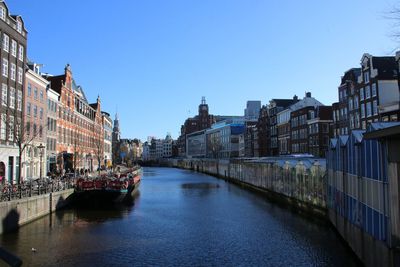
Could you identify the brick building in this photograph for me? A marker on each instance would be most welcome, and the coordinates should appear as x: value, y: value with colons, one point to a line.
x: 80, y: 140
x: 12, y: 79
x: 34, y: 124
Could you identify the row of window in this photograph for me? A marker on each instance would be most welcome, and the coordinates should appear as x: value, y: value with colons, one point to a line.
x: 35, y: 111
x: 370, y: 91
x: 35, y: 130
x: 35, y: 93
x: 8, y: 97
x: 371, y: 108
x: 7, y: 124
x: 14, y: 47
x: 51, y: 144
x: 52, y: 125
x: 12, y: 71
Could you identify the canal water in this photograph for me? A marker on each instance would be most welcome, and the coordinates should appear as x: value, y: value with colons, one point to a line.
x: 180, y: 218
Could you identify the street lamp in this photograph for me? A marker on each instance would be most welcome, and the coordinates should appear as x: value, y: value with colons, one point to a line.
x: 41, y: 150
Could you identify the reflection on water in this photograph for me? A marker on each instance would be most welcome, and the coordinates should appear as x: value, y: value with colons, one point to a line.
x: 180, y: 218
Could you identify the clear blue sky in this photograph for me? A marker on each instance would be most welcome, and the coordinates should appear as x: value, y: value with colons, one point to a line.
x: 155, y: 59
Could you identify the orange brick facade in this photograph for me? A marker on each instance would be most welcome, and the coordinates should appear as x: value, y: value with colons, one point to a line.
x: 80, y: 138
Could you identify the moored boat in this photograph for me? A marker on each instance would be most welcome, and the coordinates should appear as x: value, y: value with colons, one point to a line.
x: 114, y: 187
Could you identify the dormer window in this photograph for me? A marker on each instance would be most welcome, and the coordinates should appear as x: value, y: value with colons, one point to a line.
x: 19, y: 26
x: 2, y: 13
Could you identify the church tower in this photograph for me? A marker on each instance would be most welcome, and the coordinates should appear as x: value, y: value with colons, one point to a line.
x: 116, y: 137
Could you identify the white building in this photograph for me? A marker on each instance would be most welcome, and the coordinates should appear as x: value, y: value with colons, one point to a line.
x: 52, y: 114
x: 108, y: 130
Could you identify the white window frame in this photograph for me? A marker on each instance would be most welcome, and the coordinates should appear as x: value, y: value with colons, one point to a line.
x: 19, y: 26
x: 11, y: 128
x: 13, y: 48
x: 2, y: 13
x: 367, y: 92
x: 4, y: 68
x: 13, y: 71
x: 4, y: 93
x: 19, y: 100
x: 21, y: 53
x: 20, y: 75
x: 6, y: 42
x: 12, y: 98
x: 373, y: 89
x: 3, y: 126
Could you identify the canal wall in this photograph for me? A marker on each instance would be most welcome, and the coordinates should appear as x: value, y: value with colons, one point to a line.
x: 16, y: 213
x: 299, y: 182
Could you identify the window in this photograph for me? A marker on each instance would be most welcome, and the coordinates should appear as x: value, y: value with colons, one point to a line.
x: 366, y: 77
x: 369, y: 111
x: 5, y: 67
x: 3, y: 126
x: 12, y: 97
x: 34, y: 111
x: 4, y: 99
x: 362, y: 111
x: 375, y: 107
x: 19, y: 100
x: 29, y: 89
x: 35, y: 93
x: 13, y: 71
x: 20, y: 75
x: 350, y: 103
x: 373, y: 88
x: 356, y: 102
x: 11, y: 129
x: 34, y: 129
x: 6, y: 42
x: 19, y: 26
x: 362, y: 94
x: 41, y: 96
x: 28, y: 109
x: 2, y: 13
x: 367, y: 92
x: 13, y: 48
x: 41, y: 113
x: 21, y: 53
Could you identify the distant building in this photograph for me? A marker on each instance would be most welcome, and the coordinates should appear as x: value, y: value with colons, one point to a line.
x: 200, y: 122
x: 225, y: 140
x: 367, y: 94
x: 196, y: 144
x: 116, y: 138
x: 252, y: 111
x: 108, y: 132
x: 53, y: 99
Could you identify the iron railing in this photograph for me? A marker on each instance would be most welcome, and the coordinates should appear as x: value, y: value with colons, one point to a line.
x: 10, y: 192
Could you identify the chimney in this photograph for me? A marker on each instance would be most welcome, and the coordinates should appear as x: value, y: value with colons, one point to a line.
x: 295, y: 98
x: 308, y: 94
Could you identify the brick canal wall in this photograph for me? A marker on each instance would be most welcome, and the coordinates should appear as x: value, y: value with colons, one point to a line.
x: 301, y: 182
x: 18, y: 212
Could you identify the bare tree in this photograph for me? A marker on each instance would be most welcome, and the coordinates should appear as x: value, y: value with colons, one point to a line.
x: 214, y: 145
x: 22, y: 133
x: 99, y: 150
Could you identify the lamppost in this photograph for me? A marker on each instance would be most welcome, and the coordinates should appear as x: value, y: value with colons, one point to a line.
x: 41, y: 150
